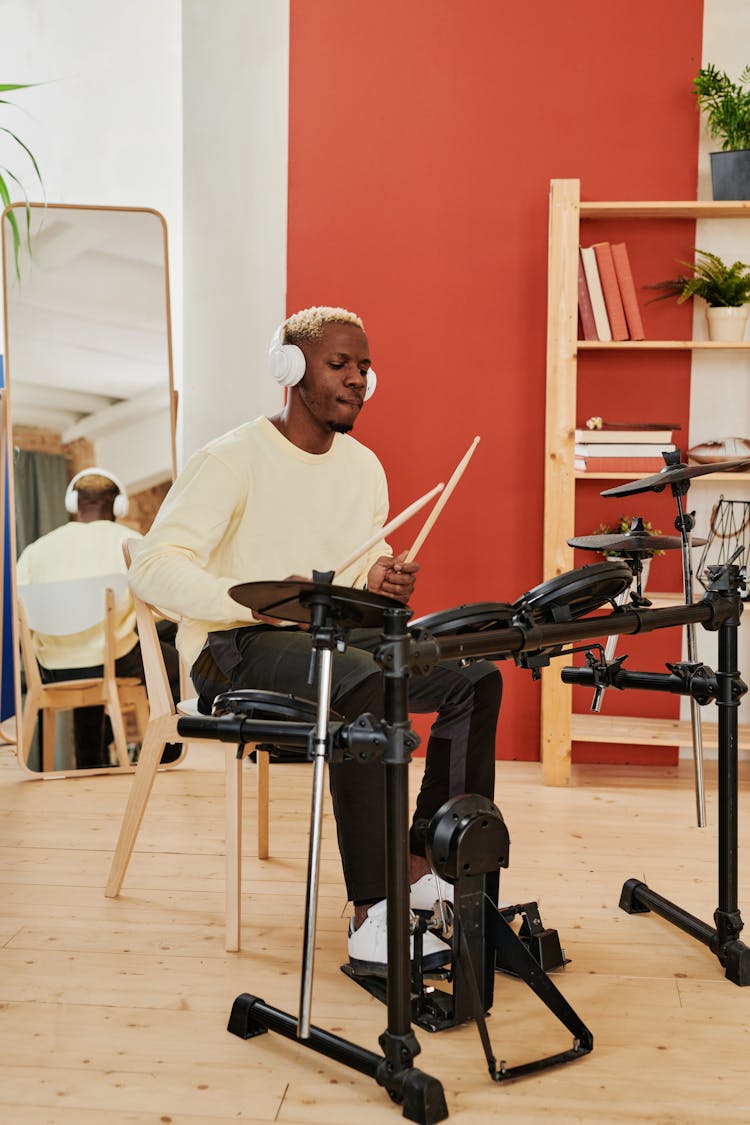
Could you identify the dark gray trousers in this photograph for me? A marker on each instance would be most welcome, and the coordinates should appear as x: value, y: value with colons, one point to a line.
x: 460, y: 755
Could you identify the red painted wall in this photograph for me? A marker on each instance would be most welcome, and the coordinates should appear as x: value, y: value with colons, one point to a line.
x: 423, y: 136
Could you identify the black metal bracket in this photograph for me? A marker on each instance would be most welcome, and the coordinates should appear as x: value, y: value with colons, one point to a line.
x: 542, y: 943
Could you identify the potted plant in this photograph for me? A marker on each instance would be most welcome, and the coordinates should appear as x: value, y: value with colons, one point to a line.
x: 725, y: 289
x: 5, y: 195
x: 727, y: 108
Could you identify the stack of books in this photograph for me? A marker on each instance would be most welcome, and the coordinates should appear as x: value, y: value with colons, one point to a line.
x: 607, y: 300
x: 622, y: 451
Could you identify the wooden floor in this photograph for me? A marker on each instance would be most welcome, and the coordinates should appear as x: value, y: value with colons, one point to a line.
x: 116, y: 1011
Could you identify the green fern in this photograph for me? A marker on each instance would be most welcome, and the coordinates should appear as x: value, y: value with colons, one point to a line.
x: 726, y: 105
x: 7, y: 177
x: 717, y: 283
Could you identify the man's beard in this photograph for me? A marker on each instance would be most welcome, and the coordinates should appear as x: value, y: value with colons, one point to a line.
x: 340, y: 427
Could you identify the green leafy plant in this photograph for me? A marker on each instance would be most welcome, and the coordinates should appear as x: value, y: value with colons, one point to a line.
x: 622, y: 525
x: 717, y: 283
x: 7, y: 176
x: 726, y: 105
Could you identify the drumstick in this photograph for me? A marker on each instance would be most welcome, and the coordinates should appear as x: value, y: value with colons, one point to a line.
x: 389, y: 527
x: 428, y: 523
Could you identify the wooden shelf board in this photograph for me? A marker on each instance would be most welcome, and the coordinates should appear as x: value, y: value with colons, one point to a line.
x: 629, y: 730
x: 672, y: 345
x: 666, y: 209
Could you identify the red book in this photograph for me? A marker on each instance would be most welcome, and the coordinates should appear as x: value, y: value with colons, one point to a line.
x: 585, y: 308
x: 611, y: 290
x: 619, y: 464
x: 627, y: 290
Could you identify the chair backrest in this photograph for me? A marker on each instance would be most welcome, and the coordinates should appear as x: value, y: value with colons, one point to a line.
x: 155, y: 674
x: 65, y: 609
x: 72, y: 606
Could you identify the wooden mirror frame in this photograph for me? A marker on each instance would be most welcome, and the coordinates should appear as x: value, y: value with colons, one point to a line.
x: 11, y: 729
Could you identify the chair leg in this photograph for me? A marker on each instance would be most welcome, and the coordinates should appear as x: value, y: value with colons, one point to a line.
x: 28, y: 722
x: 262, y: 762
x: 48, y: 739
x: 118, y: 729
x: 142, y: 714
x: 233, y: 848
x: 140, y: 791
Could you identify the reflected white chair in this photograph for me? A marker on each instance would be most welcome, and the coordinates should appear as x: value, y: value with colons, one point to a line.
x: 161, y: 729
x: 60, y: 609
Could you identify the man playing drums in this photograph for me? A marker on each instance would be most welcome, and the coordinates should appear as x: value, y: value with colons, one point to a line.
x: 282, y: 496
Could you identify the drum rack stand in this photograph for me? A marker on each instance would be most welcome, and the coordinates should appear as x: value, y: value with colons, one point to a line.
x: 532, y: 644
x: 719, y: 610
x: 392, y: 741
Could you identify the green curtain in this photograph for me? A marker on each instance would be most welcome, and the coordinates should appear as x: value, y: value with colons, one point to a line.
x: 40, y: 483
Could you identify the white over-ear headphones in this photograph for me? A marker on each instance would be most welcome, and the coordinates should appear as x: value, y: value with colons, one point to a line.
x: 287, y: 364
x: 120, y: 504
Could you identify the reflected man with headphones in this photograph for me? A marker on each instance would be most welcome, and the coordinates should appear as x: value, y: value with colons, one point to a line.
x: 90, y: 544
x: 282, y: 496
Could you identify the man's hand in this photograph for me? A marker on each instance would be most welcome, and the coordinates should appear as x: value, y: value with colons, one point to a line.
x: 393, y: 576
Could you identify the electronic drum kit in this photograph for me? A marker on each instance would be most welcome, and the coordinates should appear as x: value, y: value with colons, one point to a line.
x: 467, y: 840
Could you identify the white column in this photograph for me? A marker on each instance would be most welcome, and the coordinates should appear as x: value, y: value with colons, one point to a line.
x: 235, y: 129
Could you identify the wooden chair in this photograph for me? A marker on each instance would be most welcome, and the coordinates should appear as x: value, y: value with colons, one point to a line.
x: 60, y: 609
x: 162, y: 728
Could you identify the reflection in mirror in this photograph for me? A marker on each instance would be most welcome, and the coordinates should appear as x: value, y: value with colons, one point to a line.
x: 89, y: 384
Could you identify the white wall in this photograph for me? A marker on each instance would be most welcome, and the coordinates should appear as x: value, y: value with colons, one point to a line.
x: 720, y: 388
x: 235, y: 83
x: 719, y: 383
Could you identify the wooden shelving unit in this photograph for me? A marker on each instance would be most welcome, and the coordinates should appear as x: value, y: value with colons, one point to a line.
x: 559, y: 726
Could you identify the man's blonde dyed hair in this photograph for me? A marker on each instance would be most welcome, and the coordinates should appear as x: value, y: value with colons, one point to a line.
x: 307, y: 324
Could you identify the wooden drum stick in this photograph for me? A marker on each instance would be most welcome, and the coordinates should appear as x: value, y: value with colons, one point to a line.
x: 389, y: 527
x: 428, y: 523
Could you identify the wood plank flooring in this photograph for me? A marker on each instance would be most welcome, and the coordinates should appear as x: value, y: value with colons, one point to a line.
x: 115, y: 1011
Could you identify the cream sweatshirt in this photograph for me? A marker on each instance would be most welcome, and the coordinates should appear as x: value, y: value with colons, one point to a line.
x: 250, y: 507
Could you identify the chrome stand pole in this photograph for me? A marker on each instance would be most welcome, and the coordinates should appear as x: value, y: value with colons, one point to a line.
x: 325, y: 658
x: 684, y: 524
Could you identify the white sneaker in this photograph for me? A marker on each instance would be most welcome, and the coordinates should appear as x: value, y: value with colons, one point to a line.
x: 427, y: 891
x: 368, y: 945
x: 430, y: 888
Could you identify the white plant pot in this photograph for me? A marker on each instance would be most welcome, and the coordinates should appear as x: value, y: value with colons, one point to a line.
x: 727, y: 324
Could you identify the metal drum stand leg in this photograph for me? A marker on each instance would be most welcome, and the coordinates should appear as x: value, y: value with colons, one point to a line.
x: 420, y: 1095
x: 723, y: 937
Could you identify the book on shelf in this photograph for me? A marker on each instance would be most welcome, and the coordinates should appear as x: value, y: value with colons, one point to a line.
x: 585, y: 309
x: 621, y: 260
x: 623, y: 449
x: 607, y: 437
x: 619, y: 464
x: 615, y: 311
x: 599, y: 308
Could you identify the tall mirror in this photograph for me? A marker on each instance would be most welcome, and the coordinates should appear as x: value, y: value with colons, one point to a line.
x: 88, y: 382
